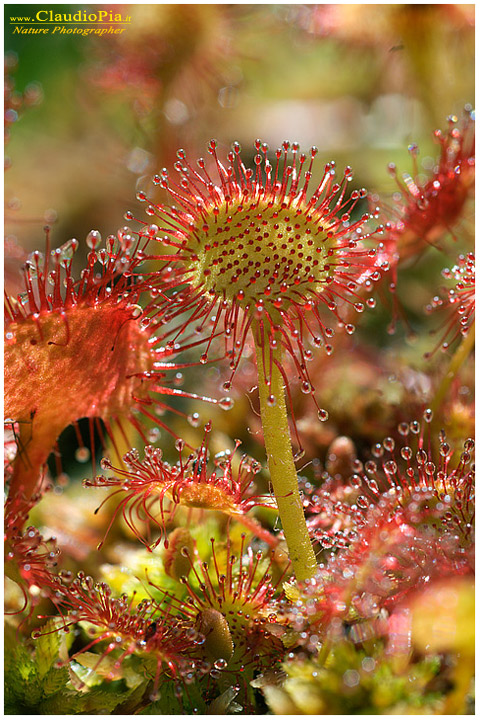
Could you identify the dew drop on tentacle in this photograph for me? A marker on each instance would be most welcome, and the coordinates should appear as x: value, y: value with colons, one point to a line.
x: 357, y: 465
x: 428, y: 415
x: 152, y: 230
x: 220, y: 664
x: 415, y: 427
x: 306, y: 388
x: 389, y: 444
x: 226, y: 403
x: 194, y: 419
x: 390, y: 467
x: 356, y: 481
x: 444, y: 449
x: 362, y: 502
x: 371, y: 467
x: 406, y: 453
x: 136, y: 311
x: 68, y: 250
x: 93, y: 239
x: 326, y: 542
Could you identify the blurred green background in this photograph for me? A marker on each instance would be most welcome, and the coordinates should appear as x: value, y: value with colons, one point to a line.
x: 361, y: 82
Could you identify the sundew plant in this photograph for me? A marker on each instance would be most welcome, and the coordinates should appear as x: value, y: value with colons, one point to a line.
x: 239, y: 372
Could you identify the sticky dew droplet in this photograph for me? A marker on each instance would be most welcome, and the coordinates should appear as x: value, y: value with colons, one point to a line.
x: 428, y: 415
x: 136, y: 311
x: 194, y: 419
x: 406, y: 453
x: 220, y: 664
x: 356, y: 481
x: 415, y: 427
x: 226, y: 403
x: 68, y: 250
x: 93, y: 239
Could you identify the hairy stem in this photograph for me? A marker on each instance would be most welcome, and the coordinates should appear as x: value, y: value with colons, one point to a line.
x: 281, y: 465
x: 461, y: 354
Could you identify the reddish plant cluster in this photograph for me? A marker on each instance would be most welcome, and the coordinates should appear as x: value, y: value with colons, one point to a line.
x: 240, y: 590
x: 264, y: 251
x: 260, y: 252
x: 428, y: 207
x: 428, y: 204
x: 404, y: 519
x: 146, y: 484
x: 226, y: 626
x: 459, y: 300
x: 184, y: 56
x: 62, y: 334
x: 155, y: 630
x: 30, y: 561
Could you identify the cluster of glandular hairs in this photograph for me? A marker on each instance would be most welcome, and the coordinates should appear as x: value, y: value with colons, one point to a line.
x: 395, y: 551
x: 156, y: 630
x: 29, y: 560
x: 411, y: 521
x: 330, y: 515
x: 263, y: 249
x: 234, y: 603
x: 459, y: 300
x: 86, y: 341
x: 50, y: 285
x: 430, y: 204
x: 227, y: 626
x: 191, y: 482
x: 421, y: 473
x: 398, y: 474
